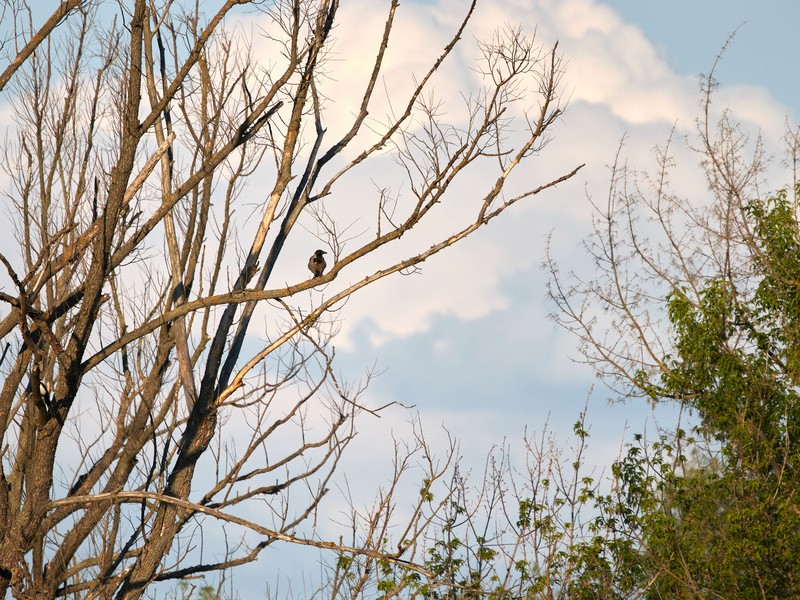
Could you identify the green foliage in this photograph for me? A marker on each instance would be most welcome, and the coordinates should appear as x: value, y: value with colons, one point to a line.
x: 714, y: 513
x: 207, y: 592
x: 567, y: 553
x: 187, y: 591
x: 727, y: 524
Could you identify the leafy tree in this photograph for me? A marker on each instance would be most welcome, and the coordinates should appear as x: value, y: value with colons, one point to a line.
x: 160, y: 162
x: 700, y: 305
x: 540, y: 529
x: 734, y: 522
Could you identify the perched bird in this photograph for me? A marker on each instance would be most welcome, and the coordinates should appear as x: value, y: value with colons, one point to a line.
x: 317, y: 264
x: 44, y: 391
x: 45, y: 407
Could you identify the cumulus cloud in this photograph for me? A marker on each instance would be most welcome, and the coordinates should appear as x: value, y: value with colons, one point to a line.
x: 468, y: 340
x: 619, y: 84
x: 609, y: 61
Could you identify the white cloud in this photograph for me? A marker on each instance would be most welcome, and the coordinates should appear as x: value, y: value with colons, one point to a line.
x: 755, y: 108
x: 609, y: 61
x: 620, y: 84
x: 464, y: 283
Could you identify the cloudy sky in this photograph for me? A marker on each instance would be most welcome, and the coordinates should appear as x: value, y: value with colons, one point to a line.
x: 468, y: 342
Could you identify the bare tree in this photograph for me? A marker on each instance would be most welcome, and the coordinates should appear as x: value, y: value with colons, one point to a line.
x: 649, y: 240
x: 526, y: 526
x: 691, y: 302
x: 155, y: 174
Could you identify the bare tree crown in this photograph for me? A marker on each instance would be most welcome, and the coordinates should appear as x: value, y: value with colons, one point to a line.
x: 155, y: 174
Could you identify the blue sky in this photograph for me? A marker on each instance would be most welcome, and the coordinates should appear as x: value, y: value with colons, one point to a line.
x: 689, y: 33
x: 633, y: 66
x: 468, y: 342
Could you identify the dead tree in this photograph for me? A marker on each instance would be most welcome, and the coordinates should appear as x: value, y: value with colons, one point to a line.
x: 160, y: 377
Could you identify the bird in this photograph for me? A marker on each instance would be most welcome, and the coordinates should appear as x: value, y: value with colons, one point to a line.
x: 44, y: 391
x: 317, y: 264
x: 43, y: 403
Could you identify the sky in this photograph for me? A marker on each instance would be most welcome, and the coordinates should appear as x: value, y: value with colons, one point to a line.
x: 468, y: 343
